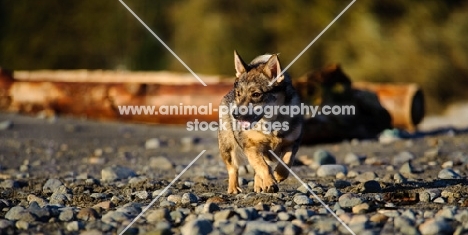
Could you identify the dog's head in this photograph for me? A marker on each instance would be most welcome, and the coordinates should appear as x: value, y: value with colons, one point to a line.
x: 257, y: 85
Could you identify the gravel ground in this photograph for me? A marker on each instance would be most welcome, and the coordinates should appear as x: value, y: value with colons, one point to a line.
x: 71, y: 176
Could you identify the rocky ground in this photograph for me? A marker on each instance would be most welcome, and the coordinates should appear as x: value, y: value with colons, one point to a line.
x: 70, y: 176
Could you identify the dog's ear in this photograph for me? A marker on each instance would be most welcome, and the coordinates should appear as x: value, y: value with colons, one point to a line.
x: 239, y: 64
x: 273, y: 69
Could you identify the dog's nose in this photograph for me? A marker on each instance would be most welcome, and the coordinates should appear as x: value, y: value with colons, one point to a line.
x: 235, y: 115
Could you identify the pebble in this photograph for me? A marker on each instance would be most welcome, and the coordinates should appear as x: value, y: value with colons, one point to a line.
x: 152, y: 143
x: 5, y: 125
x: 247, y: 213
x: 116, y: 172
x: 333, y: 193
x: 260, y: 227
x: 284, y: 216
x: 448, y: 173
x: 105, y: 205
x: 439, y: 200
x: 322, y: 157
x: 303, y: 214
x: 361, y: 208
x: 188, y: 198
x: 159, y: 192
x: 371, y: 186
x: 302, y: 200
x: 66, y: 214
x: 5, y: 224
x: 42, y: 214
x: 9, y: 184
x: 366, y: 176
x: 210, y: 207
x: 330, y: 170
x: 402, y: 157
x: 435, y: 226
x: 161, y: 163
x: 87, y: 214
x: 353, y: 159
x: 19, y: 213
x: 407, y: 168
x: 197, y: 226
x: 141, y: 194
x: 74, y: 226
x: 340, y: 184
x: 399, y: 178
x: 23, y: 225
x: 51, y: 185
x: 158, y: 215
x: 348, y: 200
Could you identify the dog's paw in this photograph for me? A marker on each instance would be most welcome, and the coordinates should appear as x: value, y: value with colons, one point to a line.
x: 234, y: 190
x: 267, y: 185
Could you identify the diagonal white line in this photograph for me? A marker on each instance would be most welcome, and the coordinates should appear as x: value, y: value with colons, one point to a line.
x: 312, y: 42
x: 162, y: 192
x: 312, y: 192
x: 164, y: 44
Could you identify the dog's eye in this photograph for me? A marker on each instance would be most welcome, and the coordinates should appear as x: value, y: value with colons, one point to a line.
x: 256, y: 94
x: 237, y: 93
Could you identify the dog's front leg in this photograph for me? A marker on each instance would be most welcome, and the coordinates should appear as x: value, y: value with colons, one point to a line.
x: 263, y: 181
x: 233, y: 173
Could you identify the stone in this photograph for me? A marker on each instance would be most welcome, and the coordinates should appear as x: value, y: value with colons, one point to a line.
x: 210, y: 207
x: 87, y: 214
x: 51, y: 185
x: 260, y: 227
x: 161, y: 163
x: 116, y: 172
x: 4, y: 224
x: 399, y: 178
x: 322, y: 157
x: 403, y: 157
x: 9, y: 184
x: 141, y: 194
x: 19, y: 213
x: 349, y: 200
x: 224, y: 214
x: 330, y: 170
x: 188, y: 198
x: 42, y: 214
x: 40, y: 201
x: 371, y: 186
x: 302, y: 200
x: 66, y: 214
x: 353, y: 159
x: 5, y: 125
x: 74, y: 226
x: 333, y: 193
x: 284, y: 216
x: 435, y: 226
x: 197, y: 226
x: 152, y: 143
x: 158, y: 215
x: 448, y: 173
x: 23, y: 225
x: 340, y: 184
x: 247, y: 213
x: 407, y: 168
x: 366, y: 176
x: 361, y: 208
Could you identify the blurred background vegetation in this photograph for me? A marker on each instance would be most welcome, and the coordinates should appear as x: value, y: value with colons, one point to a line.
x: 387, y: 40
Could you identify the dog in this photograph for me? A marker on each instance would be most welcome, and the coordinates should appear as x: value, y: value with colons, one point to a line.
x: 258, y: 87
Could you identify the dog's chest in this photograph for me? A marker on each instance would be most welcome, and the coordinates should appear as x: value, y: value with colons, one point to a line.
x: 262, y: 142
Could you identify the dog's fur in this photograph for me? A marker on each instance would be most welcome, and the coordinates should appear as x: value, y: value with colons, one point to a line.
x: 252, y: 86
